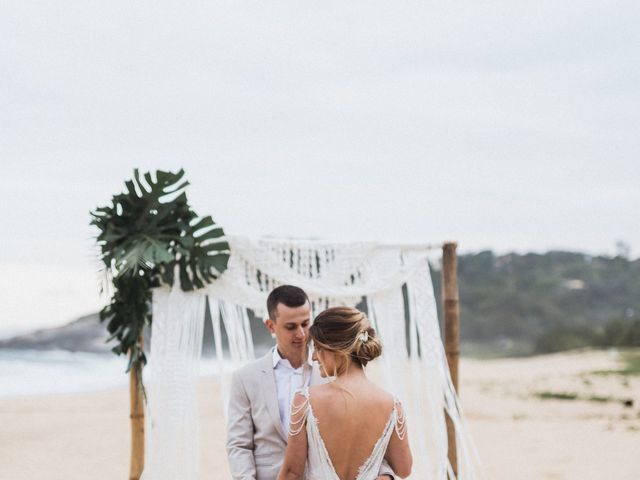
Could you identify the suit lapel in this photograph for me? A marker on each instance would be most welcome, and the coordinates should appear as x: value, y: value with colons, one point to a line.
x: 270, y: 393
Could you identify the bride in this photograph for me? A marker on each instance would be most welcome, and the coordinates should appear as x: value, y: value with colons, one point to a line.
x: 344, y: 429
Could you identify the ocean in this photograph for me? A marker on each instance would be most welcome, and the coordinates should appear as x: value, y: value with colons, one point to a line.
x: 35, y: 372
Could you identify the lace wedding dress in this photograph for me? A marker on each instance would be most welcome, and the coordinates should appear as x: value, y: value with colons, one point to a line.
x: 319, y: 466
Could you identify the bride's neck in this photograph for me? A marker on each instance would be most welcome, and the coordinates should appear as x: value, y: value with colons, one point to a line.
x: 353, y: 372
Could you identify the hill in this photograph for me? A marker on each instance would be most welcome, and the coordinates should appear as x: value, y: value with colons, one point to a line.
x: 523, y: 297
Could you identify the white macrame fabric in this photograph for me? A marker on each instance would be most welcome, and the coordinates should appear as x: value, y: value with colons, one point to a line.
x: 171, y: 379
x: 395, y: 283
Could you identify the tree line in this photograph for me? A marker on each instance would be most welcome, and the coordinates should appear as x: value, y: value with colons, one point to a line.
x: 554, y: 301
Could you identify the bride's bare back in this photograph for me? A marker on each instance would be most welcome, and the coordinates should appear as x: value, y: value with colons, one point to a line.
x: 344, y: 430
x: 351, y: 420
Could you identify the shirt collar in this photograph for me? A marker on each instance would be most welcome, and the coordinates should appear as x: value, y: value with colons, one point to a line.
x: 276, y: 359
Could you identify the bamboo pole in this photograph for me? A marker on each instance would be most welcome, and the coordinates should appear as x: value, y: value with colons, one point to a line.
x: 137, y: 420
x: 451, y: 309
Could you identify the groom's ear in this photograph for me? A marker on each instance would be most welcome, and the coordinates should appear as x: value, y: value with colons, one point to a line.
x: 270, y: 324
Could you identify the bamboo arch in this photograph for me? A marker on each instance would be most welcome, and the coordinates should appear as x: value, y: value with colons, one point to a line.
x: 451, y: 313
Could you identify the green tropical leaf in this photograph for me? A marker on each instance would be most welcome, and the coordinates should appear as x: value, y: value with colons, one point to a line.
x: 144, y: 233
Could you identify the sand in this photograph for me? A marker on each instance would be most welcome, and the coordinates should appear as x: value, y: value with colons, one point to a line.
x: 518, y: 435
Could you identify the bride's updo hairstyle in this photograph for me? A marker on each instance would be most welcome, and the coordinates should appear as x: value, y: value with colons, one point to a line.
x: 346, y: 332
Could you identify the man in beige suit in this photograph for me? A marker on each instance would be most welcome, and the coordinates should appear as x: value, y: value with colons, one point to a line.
x: 261, y: 392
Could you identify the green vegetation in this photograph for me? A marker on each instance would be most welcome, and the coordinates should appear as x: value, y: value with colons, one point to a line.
x: 631, y: 361
x: 548, y: 395
x: 556, y: 395
x: 541, y: 303
x: 600, y: 399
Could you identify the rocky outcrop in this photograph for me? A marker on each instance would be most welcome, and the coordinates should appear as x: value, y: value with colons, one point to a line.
x: 85, y: 334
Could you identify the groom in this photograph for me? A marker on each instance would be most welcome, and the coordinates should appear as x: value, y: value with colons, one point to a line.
x: 261, y: 392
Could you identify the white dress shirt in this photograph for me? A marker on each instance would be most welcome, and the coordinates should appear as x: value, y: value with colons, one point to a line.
x: 288, y: 381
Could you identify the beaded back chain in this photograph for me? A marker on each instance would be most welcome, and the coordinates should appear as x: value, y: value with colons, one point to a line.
x: 401, y: 420
x: 296, y: 426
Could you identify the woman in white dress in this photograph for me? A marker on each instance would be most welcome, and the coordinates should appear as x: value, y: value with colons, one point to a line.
x: 343, y: 430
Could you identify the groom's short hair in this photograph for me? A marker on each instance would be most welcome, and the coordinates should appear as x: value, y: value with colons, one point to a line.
x: 288, y: 295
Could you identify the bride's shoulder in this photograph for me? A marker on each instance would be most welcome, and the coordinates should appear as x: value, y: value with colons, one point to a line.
x: 320, y: 391
x: 381, y: 394
x: 322, y: 395
x: 380, y: 400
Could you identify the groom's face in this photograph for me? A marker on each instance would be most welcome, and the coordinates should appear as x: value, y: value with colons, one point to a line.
x: 291, y: 328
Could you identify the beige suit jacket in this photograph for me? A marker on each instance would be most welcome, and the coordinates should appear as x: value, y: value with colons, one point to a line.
x: 255, y: 441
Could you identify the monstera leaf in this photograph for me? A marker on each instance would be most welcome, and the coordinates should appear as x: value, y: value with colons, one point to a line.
x: 201, y: 255
x: 147, y: 234
x: 152, y: 227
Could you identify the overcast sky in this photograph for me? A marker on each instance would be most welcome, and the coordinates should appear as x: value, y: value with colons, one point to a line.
x: 500, y: 124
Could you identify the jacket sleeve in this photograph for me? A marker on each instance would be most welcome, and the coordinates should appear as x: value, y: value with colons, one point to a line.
x: 385, y: 469
x: 240, y: 432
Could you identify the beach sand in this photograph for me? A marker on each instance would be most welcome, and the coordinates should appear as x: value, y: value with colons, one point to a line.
x: 518, y: 435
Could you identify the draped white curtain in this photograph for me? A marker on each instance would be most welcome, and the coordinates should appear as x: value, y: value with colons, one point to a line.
x: 171, y: 430
x: 396, y: 284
